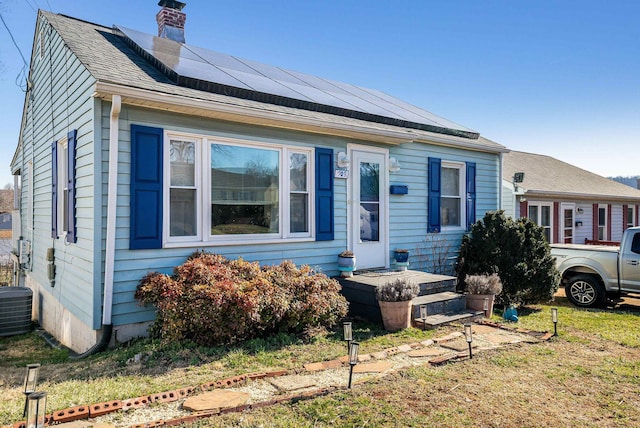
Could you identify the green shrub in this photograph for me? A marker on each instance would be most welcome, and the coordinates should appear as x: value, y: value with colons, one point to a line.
x: 517, y: 251
x: 211, y: 300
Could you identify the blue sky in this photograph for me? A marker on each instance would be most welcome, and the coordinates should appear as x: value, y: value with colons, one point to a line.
x: 561, y: 78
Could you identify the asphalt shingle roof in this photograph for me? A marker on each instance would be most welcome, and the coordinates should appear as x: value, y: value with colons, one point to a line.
x: 546, y: 175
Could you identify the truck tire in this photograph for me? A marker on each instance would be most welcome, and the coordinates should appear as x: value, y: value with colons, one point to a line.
x: 585, y: 291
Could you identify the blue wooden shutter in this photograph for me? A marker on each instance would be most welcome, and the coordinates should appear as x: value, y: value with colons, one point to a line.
x: 54, y: 189
x: 70, y: 225
x: 146, y: 188
x: 324, y: 194
x: 433, y: 212
x: 471, y: 194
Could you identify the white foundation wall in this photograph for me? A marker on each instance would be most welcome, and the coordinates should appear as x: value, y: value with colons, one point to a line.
x: 58, y: 321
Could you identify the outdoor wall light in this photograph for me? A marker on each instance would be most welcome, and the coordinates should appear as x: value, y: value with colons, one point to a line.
x: 30, y: 383
x: 485, y: 306
x: 353, y: 359
x: 394, y: 165
x: 423, y: 316
x: 36, y: 406
x: 554, y: 319
x: 348, y: 334
x: 468, y: 334
x: 579, y: 210
x: 343, y: 160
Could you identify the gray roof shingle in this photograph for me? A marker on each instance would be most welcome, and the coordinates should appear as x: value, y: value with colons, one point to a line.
x: 546, y: 175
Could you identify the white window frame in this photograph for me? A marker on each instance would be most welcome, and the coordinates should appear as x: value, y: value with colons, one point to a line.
x: 631, y: 219
x: 30, y: 196
x: 603, y: 226
x: 462, y: 186
x: 63, y: 182
x: 203, y: 192
x: 539, y: 205
x: 571, y: 207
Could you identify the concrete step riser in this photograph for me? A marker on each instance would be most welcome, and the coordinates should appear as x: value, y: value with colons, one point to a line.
x: 438, y: 287
x: 442, y: 307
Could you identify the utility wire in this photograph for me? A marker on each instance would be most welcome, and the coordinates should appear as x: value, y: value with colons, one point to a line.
x: 30, y: 5
x: 25, y: 66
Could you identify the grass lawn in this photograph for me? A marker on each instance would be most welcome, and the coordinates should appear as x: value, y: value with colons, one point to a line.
x: 589, y: 376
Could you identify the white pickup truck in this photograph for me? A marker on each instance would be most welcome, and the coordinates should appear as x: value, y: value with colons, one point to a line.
x: 591, y: 273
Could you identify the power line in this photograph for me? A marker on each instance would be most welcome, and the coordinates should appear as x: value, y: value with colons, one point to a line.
x: 30, y: 5
x: 13, y: 40
x: 25, y: 66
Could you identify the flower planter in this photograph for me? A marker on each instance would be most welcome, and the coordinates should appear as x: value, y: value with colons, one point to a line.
x: 346, y: 266
x: 401, y: 256
x: 476, y: 302
x: 395, y: 315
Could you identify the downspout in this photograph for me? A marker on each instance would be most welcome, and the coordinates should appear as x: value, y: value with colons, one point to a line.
x: 109, y: 260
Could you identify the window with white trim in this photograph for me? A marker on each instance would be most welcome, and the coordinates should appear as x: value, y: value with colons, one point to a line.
x: 225, y: 190
x: 631, y: 216
x: 602, y: 223
x: 452, y: 201
x: 30, y: 196
x: 63, y: 186
x: 540, y: 214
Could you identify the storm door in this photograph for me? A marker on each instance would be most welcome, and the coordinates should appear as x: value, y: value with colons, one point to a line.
x: 369, y: 208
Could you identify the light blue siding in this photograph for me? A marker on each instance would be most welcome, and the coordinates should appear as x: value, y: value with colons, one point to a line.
x: 61, y: 101
x: 408, y: 213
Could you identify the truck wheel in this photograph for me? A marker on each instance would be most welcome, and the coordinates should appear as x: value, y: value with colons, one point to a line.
x: 585, y: 291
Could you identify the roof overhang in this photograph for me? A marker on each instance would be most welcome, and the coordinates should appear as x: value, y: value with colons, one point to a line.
x: 531, y: 194
x: 237, y: 113
x: 320, y: 124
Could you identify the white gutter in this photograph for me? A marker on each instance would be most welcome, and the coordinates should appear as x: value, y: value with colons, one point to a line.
x: 112, y: 194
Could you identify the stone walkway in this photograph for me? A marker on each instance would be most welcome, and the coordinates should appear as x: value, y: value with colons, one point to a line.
x: 315, y: 379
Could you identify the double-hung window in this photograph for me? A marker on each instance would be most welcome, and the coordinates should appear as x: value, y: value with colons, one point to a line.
x: 228, y: 191
x: 602, y: 223
x: 452, y: 201
x: 540, y: 214
x: 631, y: 216
x: 63, y: 215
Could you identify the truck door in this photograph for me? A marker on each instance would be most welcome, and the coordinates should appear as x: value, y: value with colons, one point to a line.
x: 630, y: 263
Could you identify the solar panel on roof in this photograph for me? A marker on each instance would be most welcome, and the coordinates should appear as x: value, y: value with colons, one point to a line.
x: 204, y: 69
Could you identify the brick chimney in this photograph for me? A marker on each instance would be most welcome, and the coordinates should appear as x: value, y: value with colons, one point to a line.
x: 171, y: 20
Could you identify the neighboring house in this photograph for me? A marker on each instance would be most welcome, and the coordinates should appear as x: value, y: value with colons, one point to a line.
x: 573, y: 205
x: 5, y: 237
x: 136, y: 150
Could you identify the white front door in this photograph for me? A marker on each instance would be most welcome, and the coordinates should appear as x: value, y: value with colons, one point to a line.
x: 368, y: 210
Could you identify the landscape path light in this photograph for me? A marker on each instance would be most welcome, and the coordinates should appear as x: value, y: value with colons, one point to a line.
x: 423, y: 316
x: 353, y: 359
x: 485, y: 306
x: 36, y: 409
x: 30, y: 383
x: 468, y: 334
x: 348, y: 334
x: 554, y: 319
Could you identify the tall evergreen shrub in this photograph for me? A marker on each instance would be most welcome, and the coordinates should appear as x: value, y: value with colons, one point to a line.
x: 517, y: 251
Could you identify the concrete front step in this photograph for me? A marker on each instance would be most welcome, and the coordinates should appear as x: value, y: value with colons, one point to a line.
x: 433, y: 321
x: 439, y: 303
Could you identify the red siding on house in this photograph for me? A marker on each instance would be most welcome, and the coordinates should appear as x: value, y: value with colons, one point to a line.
x: 524, y: 209
x: 625, y: 218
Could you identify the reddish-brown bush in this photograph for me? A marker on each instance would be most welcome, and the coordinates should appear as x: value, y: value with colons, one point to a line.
x: 211, y: 300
